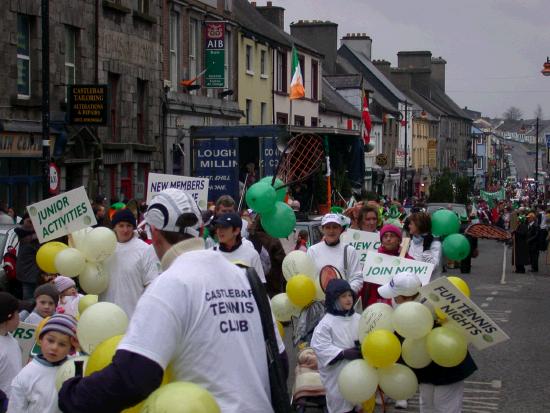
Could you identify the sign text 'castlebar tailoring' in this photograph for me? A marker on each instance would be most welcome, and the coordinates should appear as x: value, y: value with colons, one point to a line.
x: 88, y: 104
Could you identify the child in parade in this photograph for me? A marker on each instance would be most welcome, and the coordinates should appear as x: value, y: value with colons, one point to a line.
x: 68, y: 296
x: 10, y: 354
x: 46, y: 297
x: 335, y: 341
x: 33, y: 389
x: 302, y: 241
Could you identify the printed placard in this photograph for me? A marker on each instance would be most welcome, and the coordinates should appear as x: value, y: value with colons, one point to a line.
x: 380, y: 268
x: 62, y: 214
x: 362, y: 241
x: 195, y: 187
x: 25, y: 336
x: 481, y: 331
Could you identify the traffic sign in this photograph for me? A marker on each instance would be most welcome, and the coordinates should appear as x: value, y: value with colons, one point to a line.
x: 381, y: 159
x: 54, y: 179
x: 547, y: 136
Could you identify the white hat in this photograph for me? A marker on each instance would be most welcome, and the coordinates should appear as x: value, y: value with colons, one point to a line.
x: 327, y: 218
x: 406, y: 284
x: 167, y: 206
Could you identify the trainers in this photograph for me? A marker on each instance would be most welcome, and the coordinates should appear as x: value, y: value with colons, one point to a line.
x: 401, y: 404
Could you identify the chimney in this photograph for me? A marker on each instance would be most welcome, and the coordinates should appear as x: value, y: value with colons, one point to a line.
x: 273, y: 14
x: 414, y: 60
x: 438, y: 71
x: 321, y: 36
x: 384, y: 66
x: 359, y: 42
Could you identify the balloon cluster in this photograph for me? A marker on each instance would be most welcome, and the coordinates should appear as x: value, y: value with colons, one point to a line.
x: 82, y: 258
x: 445, y: 224
x: 267, y: 199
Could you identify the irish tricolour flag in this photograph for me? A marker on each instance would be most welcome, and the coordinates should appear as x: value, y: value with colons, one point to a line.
x: 297, y: 83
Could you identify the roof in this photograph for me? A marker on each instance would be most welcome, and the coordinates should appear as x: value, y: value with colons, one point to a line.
x: 441, y: 99
x: 346, y: 81
x: 425, y: 104
x: 334, y: 102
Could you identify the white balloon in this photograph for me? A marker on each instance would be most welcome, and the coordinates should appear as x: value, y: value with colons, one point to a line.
x: 412, y: 320
x: 377, y: 316
x: 282, y: 307
x: 398, y: 381
x: 415, y: 352
x: 357, y: 381
x: 99, y: 244
x: 76, y: 239
x: 94, y: 279
x: 70, y: 262
x: 100, y: 322
x: 298, y: 262
x: 74, y: 366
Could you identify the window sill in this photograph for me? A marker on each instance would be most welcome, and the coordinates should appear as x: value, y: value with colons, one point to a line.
x: 250, y: 72
x: 144, y: 17
x: 119, y: 8
x: 262, y: 76
x: 30, y: 102
x: 280, y: 93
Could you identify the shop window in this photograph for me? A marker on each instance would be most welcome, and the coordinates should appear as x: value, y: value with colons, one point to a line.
x: 299, y: 120
x: 282, y: 118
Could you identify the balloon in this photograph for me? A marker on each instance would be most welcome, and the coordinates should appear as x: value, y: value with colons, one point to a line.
x: 99, y: 244
x: 39, y: 328
x: 94, y: 279
x: 445, y: 222
x: 281, y: 329
x: 86, y: 301
x: 461, y: 285
x: 376, y: 316
x: 381, y: 348
x: 45, y: 256
x: 398, y: 381
x: 298, y: 262
x: 300, y: 290
x: 100, y: 322
x: 261, y: 197
x: 181, y: 397
x: 73, y: 367
x: 283, y: 308
x: 280, y: 193
x: 446, y: 347
x: 357, y: 381
x: 280, y: 222
x: 412, y: 320
x: 415, y: 352
x: 76, y: 239
x: 456, y: 247
x: 70, y: 262
x: 102, y: 355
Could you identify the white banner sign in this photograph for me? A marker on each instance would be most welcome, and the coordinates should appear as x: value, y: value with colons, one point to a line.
x: 62, y: 214
x: 196, y: 187
x: 380, y: 268
x: 362, y: 241
x: 481, y: 331
x: 25, y: 336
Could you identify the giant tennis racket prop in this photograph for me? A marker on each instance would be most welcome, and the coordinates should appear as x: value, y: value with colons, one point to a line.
x: 328, y: 273
x: 487, y: 231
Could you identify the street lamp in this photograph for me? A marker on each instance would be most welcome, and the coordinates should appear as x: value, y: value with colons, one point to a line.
x: 546, y: 67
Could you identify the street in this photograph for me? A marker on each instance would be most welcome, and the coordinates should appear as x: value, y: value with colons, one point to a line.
x: 525, y: 164
x: 513, y: 376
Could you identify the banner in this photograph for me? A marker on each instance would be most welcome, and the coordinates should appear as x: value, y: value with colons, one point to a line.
x: 215, y: 55
x: 490, y: 197
x: 380, y: 268
x: 481, y: 331
x: 25, y: 336
x: 195, y: 187
x: 61, y: 214
x: 362, y: 241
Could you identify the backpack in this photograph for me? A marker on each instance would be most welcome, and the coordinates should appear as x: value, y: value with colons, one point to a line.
x: 9, y: 262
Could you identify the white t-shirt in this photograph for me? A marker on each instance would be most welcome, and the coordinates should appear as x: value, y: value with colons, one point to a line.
x: 332, y: 335
x: 33, y: 390
x: 131, y: 268
x: 323, y: 255
x: 432, y: 255
x: 69, y: 305
x: 10, y: 362
x: 247, y: 255
x: 201, y: 318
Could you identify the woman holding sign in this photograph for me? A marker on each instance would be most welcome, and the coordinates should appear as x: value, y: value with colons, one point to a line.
x: 424, y: 247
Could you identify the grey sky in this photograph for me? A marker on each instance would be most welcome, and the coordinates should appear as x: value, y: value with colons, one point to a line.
x: 494, y: 49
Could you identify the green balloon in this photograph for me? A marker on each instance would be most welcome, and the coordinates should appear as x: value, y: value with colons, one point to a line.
x: 261, y: 197
x: 456, y: 247
x: 445, y: 222
x: 281, y: 193
x: 280, y: 222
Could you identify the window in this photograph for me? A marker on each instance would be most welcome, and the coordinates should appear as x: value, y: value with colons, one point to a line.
x: 194, y: 47
x: 249, y: 61
x: 282, y: 118
x: 70, y: 55
x: 263, y: 63
x: 143, y: 6
x: 479, y: 162
x: 303, y: 69
x: 314, y: 122
x: 281, y: 71
x: 299, y: 120
x: 314, y: 80
x: 228, y: 5
x: 174, y: 50
x: 23, y: 57
x: 113, y: 79
x: 263, y: 113
x: 141, y: 115
x: 248, y: 111
x: 227, y: 57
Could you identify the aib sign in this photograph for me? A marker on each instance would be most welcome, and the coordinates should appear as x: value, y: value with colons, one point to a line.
x: 215, y: 55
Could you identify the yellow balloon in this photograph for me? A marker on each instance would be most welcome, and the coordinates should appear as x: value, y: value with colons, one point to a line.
x: 300, y: 290
x: 45, y: 256
x: 281, y: 329
x: 102, y: 355
x: 39, y: 328
x: 446, y: 347
x: 381, y: 348
x: 181, y: 397
x: 461, y: 285
x: 369, y: 405
x: 86, y: 301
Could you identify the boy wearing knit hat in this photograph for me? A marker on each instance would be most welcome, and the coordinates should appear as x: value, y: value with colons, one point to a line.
x: 33, y: 389
x: 46, y: 297
x: 10, y: 354
x: 68, y: 295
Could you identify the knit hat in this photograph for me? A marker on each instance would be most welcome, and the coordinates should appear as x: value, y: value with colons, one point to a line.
x: 8, y: 305
x: 47, y: 289
x: 390, y: 228
x: 62, y: 323
x: 124, y: 215
x: 62, y: 283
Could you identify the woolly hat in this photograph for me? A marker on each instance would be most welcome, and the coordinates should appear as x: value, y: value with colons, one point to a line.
x: 390, y: 228
x: 62, y: 323
x: 8, y: 305
x: 124, y: 215
x: 47, y: 289
x: 62, y: 283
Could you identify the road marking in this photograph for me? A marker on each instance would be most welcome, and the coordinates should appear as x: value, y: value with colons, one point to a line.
x: 498, y: 315
x: 494, y: 292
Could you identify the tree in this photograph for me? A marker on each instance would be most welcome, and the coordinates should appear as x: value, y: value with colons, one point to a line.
x: 513, y: 113
x: 538, y: 112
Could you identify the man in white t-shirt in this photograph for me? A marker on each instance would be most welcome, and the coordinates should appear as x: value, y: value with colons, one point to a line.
x: 132, y: 267
x: 330, y: 251
x: 199, y: 316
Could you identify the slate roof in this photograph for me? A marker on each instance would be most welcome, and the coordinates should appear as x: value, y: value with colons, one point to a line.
x: 441, y: 99
x: 334, y: 102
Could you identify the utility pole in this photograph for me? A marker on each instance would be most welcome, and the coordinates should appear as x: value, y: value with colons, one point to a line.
x: 406, y: 147
x: 537, y: 162
x: 46, y: 97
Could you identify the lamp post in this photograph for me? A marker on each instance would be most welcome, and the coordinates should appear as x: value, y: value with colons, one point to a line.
x: 545, y: 72
x: 46, y: 97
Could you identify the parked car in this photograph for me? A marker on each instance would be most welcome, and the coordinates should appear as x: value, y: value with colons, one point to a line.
x: 459, y: 209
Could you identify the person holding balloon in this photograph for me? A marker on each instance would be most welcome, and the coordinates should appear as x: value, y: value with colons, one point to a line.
x: 424, y: 247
